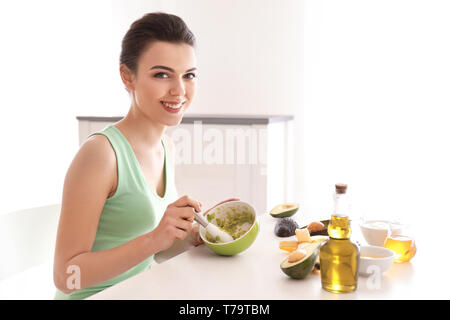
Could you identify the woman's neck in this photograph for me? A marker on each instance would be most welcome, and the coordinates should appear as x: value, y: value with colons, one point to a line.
x: 140, y: 130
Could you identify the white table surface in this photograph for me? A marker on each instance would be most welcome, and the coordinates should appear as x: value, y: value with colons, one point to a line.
x: 200, y: 274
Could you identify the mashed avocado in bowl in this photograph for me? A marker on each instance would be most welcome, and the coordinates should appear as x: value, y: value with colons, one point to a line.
x: 238, y: 219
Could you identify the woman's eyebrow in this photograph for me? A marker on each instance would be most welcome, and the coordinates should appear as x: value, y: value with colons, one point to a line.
x: 170, y: 69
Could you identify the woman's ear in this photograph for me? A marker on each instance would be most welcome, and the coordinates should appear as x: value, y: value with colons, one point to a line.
x: 127, y: 77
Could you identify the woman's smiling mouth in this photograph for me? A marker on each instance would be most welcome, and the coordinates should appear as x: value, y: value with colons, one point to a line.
x: 172, y: 106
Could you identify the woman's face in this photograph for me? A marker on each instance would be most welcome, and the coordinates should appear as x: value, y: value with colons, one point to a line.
x: 164, y: 84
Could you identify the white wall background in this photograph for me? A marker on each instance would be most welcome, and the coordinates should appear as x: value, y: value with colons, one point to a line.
x: 55, y: 58
x: 376, y: 106
x: 367, y: 81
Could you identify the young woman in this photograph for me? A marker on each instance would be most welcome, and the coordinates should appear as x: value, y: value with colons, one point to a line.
x: 120, y: 205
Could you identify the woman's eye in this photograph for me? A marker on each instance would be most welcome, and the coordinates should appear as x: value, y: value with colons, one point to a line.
x: 161, y: 75
x: 190, y: 75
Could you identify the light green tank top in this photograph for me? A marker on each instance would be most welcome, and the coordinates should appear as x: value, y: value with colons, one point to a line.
x: 133, y: 210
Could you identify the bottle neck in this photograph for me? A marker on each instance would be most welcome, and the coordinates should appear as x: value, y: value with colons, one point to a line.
x: 341, y: 205
x: 339, y: 226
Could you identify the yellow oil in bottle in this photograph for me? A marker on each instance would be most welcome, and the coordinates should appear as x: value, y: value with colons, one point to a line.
x: 404, y: 247
x: 339, y: 256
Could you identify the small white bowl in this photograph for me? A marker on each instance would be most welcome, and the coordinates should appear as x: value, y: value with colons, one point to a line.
x: 376, y: 231
x: 381, y: 260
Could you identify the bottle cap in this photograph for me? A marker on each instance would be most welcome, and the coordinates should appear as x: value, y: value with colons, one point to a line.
x: 341, y: 188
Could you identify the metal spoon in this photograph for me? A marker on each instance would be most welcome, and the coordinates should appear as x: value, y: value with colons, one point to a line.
x: 213, y: 230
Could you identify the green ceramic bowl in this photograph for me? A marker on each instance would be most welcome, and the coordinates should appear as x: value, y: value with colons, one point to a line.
x: 240, y: 244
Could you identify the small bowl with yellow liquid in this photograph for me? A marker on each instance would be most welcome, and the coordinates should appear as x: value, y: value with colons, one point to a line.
x: 374, y: 260
x: 401, y: 242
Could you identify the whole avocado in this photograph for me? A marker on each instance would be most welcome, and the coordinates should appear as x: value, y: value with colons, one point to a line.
x: 286, y: 227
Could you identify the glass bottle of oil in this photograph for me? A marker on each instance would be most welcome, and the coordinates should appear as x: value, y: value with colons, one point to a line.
x: 339, y: 256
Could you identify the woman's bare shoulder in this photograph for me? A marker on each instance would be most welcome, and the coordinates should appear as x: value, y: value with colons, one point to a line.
x: 97, y: 148
x: 94, y: 160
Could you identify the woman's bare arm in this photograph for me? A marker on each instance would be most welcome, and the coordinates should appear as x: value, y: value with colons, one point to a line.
x: 88, y: 183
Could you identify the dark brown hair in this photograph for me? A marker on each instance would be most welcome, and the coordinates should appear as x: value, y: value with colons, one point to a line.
x: 155, y: 26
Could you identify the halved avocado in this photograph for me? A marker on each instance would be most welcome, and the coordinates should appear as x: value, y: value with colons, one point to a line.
x: 284, y: 210
x: 323, y: 232
x: 300, y: 269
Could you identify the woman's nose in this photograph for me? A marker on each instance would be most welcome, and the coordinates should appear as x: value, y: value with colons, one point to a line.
x: 178, y: 88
